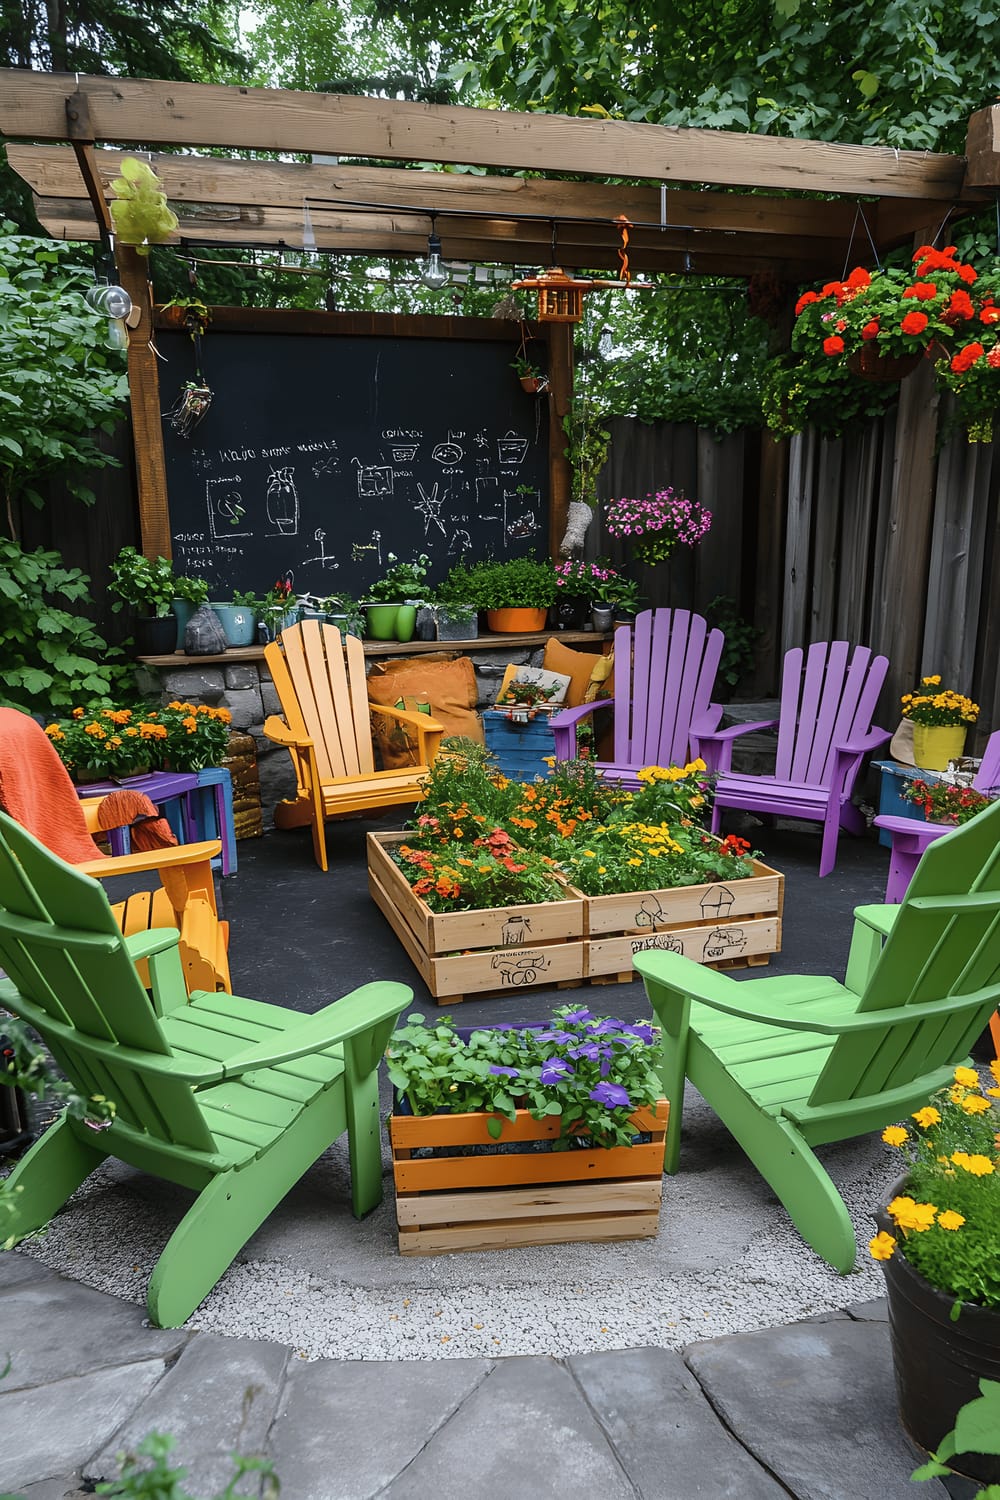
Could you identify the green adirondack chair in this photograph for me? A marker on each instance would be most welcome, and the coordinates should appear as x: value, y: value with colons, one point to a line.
x: 234, y: 1098
x: 792, y: 1062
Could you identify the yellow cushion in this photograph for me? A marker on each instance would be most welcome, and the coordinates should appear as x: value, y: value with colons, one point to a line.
x: 578, y: 666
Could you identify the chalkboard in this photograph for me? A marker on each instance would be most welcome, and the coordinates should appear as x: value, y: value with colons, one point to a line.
x: 320, y: 456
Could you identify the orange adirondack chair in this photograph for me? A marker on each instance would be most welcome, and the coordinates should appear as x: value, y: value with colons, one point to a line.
x: 320, y: 682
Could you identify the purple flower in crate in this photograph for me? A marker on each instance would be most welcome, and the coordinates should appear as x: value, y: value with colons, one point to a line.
x: 642, y: 1031
x: 555, y: 1069
x: 606, y: 1028
x: 590, y: 1050
x: 505, y: 1072
x: 611, y: 1095
x: 579, y: 1015
x: 555, y: 1036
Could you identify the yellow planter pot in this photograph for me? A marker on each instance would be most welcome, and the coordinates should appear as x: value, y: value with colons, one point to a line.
x: 935, y: 745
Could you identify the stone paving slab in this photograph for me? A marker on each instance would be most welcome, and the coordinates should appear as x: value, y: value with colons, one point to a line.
x: 346, y: 1428
x: 220, y: 1397
x: 666, y: 1435
x: 15, y: 1269
x: 53, y: 1428
x: 525, y: 1431
x: 816, y: 1404
x: 54, y: 1328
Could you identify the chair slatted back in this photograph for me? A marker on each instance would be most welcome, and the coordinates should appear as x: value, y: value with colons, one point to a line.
x: 79, y: 989
x: 828, y: 697
x: 675, y: 658
x: 321, y: 684
x: 945, y: 943
x: 987, y: 778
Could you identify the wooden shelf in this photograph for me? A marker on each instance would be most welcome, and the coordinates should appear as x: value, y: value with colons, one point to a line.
x: 237, y: 654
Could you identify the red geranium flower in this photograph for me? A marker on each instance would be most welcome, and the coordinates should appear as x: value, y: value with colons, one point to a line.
x: 924, y: 291
x: 870, y: 330
x: 967, y: 357
x: 833, y: 345
x: 805, y: 300
x: 959, y: 305
x: 914, y: 322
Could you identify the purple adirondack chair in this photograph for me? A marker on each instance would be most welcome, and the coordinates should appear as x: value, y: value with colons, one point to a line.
x: 828, y: 696
x: 910, y: 837
x: 662, y: 703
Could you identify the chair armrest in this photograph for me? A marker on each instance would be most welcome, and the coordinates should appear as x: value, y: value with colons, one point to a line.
x: 276, y: 729
x: 715, y: 747
x: 880, y: 918
x: 357, y: 1012
x: 407, y: 716
x: 869, y: 741
x: 157, y: 940
x: 567, y: 716
x: 718, y: 992
x: 173, y: 856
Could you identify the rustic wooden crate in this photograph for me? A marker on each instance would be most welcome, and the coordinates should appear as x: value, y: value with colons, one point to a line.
x: 528, y: 1197
x: 466, y: 952
x: 721, y: 925
x: 520, y: 749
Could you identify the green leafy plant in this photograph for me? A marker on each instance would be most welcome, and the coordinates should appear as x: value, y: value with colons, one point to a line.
x: 942, y: 803
x: 740, y: 638
x: 404, y: 581
x: 586, y: 448
x: 62, y: 389
x: 147, y: 1474
x: 976, y: 1430
x: 344, y: 604
x: 589, y: 1072
x: 520, y: 583
x: 52, y: 655
x: 948, y: 1221
x: 278, y: 602
x: 148, y: 586
x: 193, y: 590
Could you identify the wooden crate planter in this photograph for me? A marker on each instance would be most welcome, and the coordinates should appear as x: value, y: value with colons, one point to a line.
x: 520, y: 748
x: 721, y: 925
x: 523, y: 1197
x: 466, y: 952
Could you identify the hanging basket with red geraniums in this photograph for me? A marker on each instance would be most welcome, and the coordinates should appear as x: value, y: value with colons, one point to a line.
x: 880, y: 324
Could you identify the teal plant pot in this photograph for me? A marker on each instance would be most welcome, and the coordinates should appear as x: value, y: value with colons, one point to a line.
x: 238, y: 623
x: 381, y: 620
x: 183, y: 610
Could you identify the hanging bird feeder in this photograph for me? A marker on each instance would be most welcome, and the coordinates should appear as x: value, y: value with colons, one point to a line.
x: 560, y: 297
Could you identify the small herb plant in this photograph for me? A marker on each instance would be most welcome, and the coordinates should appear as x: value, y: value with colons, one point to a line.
x: 520, y: 583
x: 193, y: 591
x: 149, y: 587
x: 148, y: 1473
x: 948, y: 1221
x: 278, y: 602
x: 590, y: 1072
x: 404, y: 581
x: 344, y: 604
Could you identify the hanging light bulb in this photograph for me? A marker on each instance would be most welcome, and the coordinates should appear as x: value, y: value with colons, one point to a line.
x: 432, y: 272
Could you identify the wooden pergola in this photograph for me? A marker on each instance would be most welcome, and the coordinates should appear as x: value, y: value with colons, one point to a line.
x: 813, y: 204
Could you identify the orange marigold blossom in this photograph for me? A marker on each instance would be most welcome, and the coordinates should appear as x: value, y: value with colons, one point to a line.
x: 950, y: 1219
x: 927, y: 1116
x: 968, y: 1077
x: 908, y: 1214
x: 882, y: 1246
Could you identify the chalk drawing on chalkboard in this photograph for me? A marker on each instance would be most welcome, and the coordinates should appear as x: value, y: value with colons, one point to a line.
x: 282, y: 502
x: 522, y: 526
x: 227, y: 515
x: 359, y: 549
x: 404, y: 453
x: 374, y: 480
x: 512, y: 449
x: 429, y: 506
x: 324, y: 560
x: 448, y: 453
x: 460, y: 543
x: 327, y: 465
x: 488, y: 497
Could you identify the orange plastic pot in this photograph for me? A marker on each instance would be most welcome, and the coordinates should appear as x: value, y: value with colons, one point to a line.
x: 516, y: 621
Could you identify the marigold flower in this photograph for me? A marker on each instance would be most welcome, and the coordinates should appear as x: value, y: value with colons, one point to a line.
x: 882, y: 1246
x: 908, y: 1214
x: 895, y: 1135
x: 974, y: 1163
x: 950, y: 1219
x: 77, y: 713
x: 968, y: 1077
x: 927, y: 1116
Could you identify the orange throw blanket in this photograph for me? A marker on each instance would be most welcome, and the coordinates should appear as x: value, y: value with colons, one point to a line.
x: 127, y: 808
x: 36, y: 790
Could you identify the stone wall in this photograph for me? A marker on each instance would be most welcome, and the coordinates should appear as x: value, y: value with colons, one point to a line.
x: 246, y: 689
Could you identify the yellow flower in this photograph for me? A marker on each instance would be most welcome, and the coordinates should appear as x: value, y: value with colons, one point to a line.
x: 927, y: 1116
x: 975, y: 1104
x: 639, y: 862
x: 911, y: 1215
x: 968, y: 1077
x: 602, y: 870
x: 882, y: 1246
x: 950, y: 1219
x: 895, y: 1135
x: 590, y: 853
x: 931, y: 681
x: 994, y: 1093
x: 995, y: 1068
x: 956, y: 1093
x: 978, y: 1165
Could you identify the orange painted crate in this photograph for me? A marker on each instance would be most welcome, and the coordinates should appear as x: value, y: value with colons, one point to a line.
x: 526, y: 1197
x: 467, y: 952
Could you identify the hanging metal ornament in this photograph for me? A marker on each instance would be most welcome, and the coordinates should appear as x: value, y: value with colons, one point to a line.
x: 195, y: 396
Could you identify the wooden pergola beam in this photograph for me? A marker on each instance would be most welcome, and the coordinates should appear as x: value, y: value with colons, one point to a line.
x: 148, y: 112
x: 504, y: 243
x: 51, y: 171
x: 982, y: 148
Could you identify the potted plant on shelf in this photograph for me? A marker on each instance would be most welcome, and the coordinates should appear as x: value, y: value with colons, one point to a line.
x: 393, y: 600
x: 150, y: 587
x: 942, y: 803
x: 189, y: 594
x: 533, y: 380
x: 344, y: 612
x: 278, y: 609
x: 938, y: 1243
x: 239, y: 618
x: 571, y: 1103
x: 455, y: 616
x: 516, y: 595
x: 612, y: 595
x: 940, y: 719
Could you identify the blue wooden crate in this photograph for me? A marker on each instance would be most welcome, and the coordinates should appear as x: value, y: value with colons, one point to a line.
x: 891, y: 803
x: 520, y: 749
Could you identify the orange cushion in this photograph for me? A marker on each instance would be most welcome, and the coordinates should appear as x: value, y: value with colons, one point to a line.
x: 576, y: 665
x: 448, y: 685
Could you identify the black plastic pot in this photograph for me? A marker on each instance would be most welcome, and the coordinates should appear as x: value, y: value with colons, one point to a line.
x: 938, y: 1362
x: 155, y: 635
